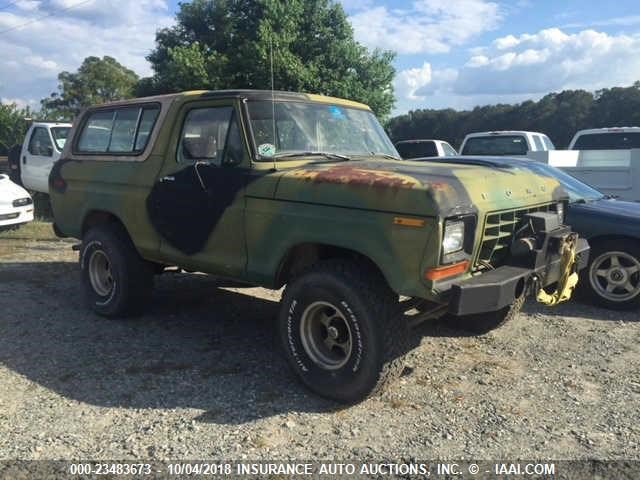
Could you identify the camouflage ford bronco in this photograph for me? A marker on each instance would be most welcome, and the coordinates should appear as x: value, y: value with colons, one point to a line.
x: 307, y: 191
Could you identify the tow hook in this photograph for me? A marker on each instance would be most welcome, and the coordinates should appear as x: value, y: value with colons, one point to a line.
x: 568, y: 279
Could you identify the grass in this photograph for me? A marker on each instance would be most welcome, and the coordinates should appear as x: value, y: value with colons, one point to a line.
x: 37, y: 230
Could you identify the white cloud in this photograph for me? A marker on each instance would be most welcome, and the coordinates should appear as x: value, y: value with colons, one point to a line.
x: 608, y: 22
x: 409, y: 81
x: 28, y: 5
x: 34, y: 53
x: 552, y: 60
x: 529, y: 66
x: 430, y: 26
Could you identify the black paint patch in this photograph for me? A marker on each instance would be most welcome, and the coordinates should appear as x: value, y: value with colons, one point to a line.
x: 184, y: 213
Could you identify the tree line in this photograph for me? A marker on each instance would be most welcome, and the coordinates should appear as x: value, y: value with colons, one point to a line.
x: 559, y: 115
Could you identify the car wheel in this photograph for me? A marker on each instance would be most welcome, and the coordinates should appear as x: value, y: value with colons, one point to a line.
x: 116, y: 281
x: 342, y: 331
x: 612, y: 279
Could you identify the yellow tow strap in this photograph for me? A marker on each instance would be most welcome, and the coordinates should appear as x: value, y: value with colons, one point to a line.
x: 568, y: 279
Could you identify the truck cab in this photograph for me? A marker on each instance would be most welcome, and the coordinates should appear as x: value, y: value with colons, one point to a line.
x: 42, y: 146
x: 409, y: 149
x: 505, y: 142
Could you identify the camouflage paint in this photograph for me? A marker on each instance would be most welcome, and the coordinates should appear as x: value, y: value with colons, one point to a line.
x: 343, y: 204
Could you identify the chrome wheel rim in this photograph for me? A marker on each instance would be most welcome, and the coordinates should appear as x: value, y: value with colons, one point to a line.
x: 100, y: 274
x: 616, y: 276
x: 326, y: 335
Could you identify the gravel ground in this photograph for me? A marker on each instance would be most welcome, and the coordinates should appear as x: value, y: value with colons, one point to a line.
x: 199, y: 377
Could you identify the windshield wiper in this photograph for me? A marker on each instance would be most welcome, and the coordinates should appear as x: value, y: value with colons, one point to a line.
x: 385, y: 155
x: 329, y: 155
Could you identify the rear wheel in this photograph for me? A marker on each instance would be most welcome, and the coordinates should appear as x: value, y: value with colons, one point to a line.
x: 612, y: 279
x: 116, y: 281
x: 342, y: 331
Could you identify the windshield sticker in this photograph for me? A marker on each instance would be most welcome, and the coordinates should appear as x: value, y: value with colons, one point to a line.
x: 336, y: 112
x: 267, y: 150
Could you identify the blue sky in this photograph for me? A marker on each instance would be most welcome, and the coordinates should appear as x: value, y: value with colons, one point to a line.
x: 450, y: 53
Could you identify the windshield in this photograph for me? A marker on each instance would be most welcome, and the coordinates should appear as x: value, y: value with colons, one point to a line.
x: 316, y: 127
x: 608, y: 141
x: 574, y: 187
x: 496, y: 145
x: 60, y: 136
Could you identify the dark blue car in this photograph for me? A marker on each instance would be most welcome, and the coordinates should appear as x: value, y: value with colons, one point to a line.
x: 611, y: 226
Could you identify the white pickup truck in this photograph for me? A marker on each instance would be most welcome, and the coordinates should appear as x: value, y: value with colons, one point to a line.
x: 42, y: 146
x: 606, y: 158
x: 505, y: 142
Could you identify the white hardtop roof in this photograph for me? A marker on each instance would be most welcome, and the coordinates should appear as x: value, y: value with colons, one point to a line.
x: 51, y: 124
x: 608, y: 130
x: 503, y: 132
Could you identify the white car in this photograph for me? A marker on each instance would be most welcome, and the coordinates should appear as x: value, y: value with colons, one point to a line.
x: 42, y: 146
x: 409, y: 149
x: 505, y: 142
x: 16, y: 205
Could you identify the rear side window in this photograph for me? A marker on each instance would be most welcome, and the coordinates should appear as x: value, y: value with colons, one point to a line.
x: 417, y: 149
x: 497, y: 145
x: 608, y: 141
x: 119, y: 131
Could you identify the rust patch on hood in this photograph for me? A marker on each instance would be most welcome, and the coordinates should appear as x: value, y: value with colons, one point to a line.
x: 348, y: 175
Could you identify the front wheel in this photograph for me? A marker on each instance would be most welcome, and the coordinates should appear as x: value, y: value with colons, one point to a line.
x: 612, y: 279
x: 342, y: 331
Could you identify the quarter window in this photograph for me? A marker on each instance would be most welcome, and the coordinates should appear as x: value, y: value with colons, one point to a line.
x: 40, y: 143
x: 119, y: 131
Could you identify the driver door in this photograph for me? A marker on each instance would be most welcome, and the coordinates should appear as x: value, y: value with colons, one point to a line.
x: 37, y: 160
x: 197, y: 202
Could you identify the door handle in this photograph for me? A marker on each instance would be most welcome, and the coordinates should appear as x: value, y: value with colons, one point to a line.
x: 168, y: 179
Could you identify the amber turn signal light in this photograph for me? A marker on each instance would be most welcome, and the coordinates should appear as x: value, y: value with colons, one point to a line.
x: 448, y: 271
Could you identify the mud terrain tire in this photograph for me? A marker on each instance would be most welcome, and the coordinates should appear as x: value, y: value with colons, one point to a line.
x: 342, y: 331
x: 116, y: 281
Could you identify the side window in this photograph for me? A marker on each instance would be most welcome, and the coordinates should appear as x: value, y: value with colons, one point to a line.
x: 96, y: 133
x: 204, y: 135
x: 147, y: 121
x: 538, y: 142
x: 40, y: 143
x: 124, y: 130
x: 448, y: 150
x: 120, y: 131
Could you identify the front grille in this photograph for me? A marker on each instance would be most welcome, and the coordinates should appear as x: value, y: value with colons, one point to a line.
x: 9, y: 216
x: 499, y: 228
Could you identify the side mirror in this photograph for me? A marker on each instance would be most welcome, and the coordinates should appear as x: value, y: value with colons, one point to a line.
x: 48, y: 151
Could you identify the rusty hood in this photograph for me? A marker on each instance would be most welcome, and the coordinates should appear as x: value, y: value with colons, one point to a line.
x: 417, y: 188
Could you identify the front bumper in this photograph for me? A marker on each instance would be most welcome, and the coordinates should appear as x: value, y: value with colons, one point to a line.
x: 16, y: 215
x: 496, y: 289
